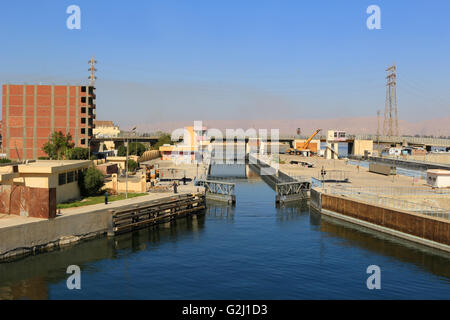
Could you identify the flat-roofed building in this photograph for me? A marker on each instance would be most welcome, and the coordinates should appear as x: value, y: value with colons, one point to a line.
x: 34, y: 189
x: 31, y: 113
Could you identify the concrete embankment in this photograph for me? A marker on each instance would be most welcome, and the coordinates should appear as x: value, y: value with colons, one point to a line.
x: 420, y: 228
x: 408, y: 164
x: 21, y: 236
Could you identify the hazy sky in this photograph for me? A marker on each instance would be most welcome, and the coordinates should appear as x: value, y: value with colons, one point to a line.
x: 174, y: 60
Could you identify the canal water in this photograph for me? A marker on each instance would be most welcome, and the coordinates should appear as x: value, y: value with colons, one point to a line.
x: 251, y: 251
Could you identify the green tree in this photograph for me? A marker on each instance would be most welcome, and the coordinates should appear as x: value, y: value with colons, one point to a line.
x: 78, y: 153
x: 91, y: 182
x: 58, y: 145
x: 134, y: 148
x: 164, y: 138
x: 132, y: 165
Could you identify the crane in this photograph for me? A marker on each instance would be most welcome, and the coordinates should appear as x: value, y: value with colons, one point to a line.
x: 305, y: 145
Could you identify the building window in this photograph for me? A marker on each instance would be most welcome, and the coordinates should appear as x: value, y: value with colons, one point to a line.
x: 83, y: 141
x: 90, y: 132
x: 83, y: 120
x: 70, y: 177
x: 83, y: 130
x: 83, y: 89
x: 83, y: 109
x: 90, y: 121
x: 91, y: 101
x: 91, y: 90
x: 83, y: 99
x: 61, y: 179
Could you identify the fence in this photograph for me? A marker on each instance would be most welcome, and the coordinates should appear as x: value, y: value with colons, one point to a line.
x: 378, y: 196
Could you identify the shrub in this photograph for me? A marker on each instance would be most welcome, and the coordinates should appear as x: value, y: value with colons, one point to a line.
x: 78, y: 153
x: 5, y: 160
x: 132, y: 165
x: 134, y: 148
x: 91, y: 182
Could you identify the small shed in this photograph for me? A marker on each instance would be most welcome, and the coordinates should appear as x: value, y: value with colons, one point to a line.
x: 438, y: 178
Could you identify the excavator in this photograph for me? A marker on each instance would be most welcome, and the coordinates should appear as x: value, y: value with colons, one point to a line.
x: 301, y: 149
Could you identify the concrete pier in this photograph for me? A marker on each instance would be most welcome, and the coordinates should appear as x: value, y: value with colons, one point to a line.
x: 21, y: 235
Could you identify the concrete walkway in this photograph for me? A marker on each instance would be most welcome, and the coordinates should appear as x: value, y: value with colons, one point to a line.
x: 7, y: 221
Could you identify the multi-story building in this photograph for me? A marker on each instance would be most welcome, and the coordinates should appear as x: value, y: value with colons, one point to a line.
x: 31, y: 113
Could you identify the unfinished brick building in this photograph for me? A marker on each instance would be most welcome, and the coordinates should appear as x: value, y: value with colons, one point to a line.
x: 31, y: 113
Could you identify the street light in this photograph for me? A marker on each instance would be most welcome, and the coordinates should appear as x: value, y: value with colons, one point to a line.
x: 126, y: 166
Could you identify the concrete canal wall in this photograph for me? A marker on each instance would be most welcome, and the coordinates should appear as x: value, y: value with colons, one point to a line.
x: 427, y: 230
x: 34, y: 235
x: 21, y: 235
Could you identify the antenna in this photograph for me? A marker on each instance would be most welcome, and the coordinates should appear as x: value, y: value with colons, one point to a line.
x: 92, y: 69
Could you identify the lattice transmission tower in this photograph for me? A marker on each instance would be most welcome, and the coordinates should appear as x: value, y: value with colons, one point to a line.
x: 390, y: 127
x: 92, y: 69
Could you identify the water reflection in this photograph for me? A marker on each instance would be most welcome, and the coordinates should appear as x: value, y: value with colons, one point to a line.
x: 220, y: 210
x: 30, y: 277
x: 429, y: 259
x: 292, y: 211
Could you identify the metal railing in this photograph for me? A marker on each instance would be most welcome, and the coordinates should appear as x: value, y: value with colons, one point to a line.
x: 381, y: 199
x: 396, y: 191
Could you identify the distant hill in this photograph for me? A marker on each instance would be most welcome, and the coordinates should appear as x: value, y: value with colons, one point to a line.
x: 359, y: 125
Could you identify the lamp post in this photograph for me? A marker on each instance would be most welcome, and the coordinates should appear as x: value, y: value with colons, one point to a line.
x: 126, y: 167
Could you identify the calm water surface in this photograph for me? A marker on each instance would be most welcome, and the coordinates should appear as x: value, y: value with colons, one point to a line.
x: 252, y: 251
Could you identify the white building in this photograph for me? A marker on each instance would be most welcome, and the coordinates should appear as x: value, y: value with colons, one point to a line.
x: 438, y: 178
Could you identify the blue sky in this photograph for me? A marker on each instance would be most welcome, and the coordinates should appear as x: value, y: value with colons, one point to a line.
x: 185, y: 60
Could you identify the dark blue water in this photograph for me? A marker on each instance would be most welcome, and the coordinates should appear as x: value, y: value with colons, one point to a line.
x: 252, y: 251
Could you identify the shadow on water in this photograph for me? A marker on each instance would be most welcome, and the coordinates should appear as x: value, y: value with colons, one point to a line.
x: 431, y: 260
x: 31, y: 276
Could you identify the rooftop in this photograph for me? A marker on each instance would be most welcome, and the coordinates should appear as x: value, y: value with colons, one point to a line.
x: 53, y: 166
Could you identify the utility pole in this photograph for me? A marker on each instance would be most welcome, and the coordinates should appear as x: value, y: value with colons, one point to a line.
x: 126, y: 166
x: 92, y: 69
x: 390, y: 127
x: 378, y: 130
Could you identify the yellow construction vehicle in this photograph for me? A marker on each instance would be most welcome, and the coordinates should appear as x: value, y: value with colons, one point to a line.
x: 303, y: 149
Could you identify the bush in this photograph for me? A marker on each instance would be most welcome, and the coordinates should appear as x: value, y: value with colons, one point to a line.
x: 135, y: 148
x: 91, y: 182
x: 165, y: 138
x: 78, y: 153
x: 132, y: 165
x: 5, y: 160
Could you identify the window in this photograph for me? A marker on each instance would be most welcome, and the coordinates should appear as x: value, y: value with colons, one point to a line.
x: 83, y: 109
x: 83, y: 89
x: 91, y: 101
x: 83, y: 99
x: 90, y: 121
x: 91, y: 90
x: 70, y: 177
x: 83, y: 141
x: 90, y: 132
x: 83, y: 130
x: 62, y: 179
x: 83, y: 120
